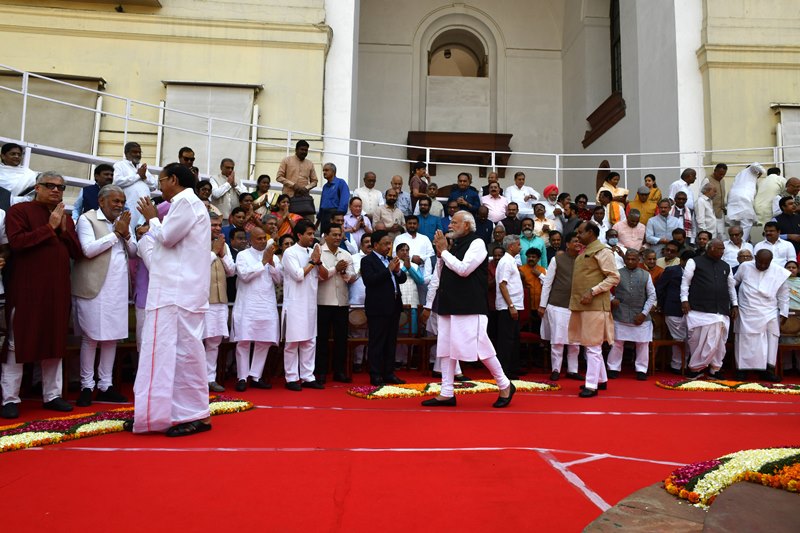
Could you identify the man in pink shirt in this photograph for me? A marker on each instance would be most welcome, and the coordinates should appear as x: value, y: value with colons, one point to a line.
x: 495, y: 203
x: 631, y: 231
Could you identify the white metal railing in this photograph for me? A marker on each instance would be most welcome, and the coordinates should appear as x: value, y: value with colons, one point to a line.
x: 553, y: 167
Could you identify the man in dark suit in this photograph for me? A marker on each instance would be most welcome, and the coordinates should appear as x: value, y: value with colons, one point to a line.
x: 382, y: 278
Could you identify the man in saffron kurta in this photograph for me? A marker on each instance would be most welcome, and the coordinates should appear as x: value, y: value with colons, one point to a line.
x: 590, y: 323
x: 43, y: 240
x: 171, y: 388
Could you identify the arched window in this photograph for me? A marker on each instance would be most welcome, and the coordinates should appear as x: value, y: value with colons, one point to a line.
x: 457, y: 52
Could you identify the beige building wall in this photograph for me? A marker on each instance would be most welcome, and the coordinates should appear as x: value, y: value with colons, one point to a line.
x: 749, y: 58
x: 278, y: 44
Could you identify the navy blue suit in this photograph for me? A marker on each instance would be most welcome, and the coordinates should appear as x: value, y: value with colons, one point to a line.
x: 382, y: 306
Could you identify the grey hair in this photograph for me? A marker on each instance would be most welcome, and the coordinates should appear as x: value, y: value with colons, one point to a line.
x: 329, y: 164
x: 213, y: 215
x: 48, y: 174
x: 108, y: 189
x: 470, y: 220
x: 508, y: 240
x: 705, y: 188
x: 269, y: 216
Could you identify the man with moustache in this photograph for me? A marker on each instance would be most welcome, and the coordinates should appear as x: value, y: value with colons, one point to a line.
x: 132, y: 177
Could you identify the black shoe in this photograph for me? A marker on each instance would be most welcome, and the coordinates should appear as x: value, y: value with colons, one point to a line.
x: 376, y: 382
x: 461, y: 377
x: 768, y: 375
x: 613, y: 374
x: 241, y: 385
x: 320, y: 379
x: 575, y: 376
x: 394, y: 380
x: 109, y: 395
x: 294, y: 386
x: 312, y: 385
x: 641, y: 376
x: 433, y: 402
x: 715, y: 375
x: 693, y: 375
x: 85, y: 399
x: 260, y: 384
x: 58, y: 404
x: 741, y: 375
x: 587, y: 393
x: 505, y: 402
x: 555, y: 376
x: 676, y: 371
x: 600, y: 386
x: 213, y: 386
x: 342, y: 378
x: 10, y: 410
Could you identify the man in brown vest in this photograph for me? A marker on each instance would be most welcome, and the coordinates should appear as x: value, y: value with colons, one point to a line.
x: 554, y: 309
x: 215, y: 325
x: 100, y: 287
x: 594, y: 275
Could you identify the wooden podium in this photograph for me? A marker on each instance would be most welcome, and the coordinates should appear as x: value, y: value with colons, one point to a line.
x: 463, y: 141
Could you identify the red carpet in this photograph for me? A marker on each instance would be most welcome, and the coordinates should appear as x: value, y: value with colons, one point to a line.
x: 326, y: 461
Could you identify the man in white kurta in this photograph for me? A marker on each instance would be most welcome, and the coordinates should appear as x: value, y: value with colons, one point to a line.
x: 100, y: 287
x: 215, y: 323
x: 631, y: 321
x: 708, y: 298
x: 763, y: 308
x: 136, y: 182
x: 225, y: 189
x: 302, y: 270
x: 782, y: 251
x: 171, y: 389
x: 740, y: 199
x: 255, y: 311
x: 463, y: 309
x: 554, y: 310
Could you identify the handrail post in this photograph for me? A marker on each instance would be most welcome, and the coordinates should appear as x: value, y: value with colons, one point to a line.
x: 24, y: 105
x: 127, y: 116
x: 208, y: 145
x: 427, y: 156
x: 289, y: 143
x: 494, y: 161
x: 358, y: 165
x: 558, y: 171
x: 625, y: 168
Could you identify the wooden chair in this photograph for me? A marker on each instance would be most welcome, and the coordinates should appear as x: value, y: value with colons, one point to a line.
x: 661, y: 331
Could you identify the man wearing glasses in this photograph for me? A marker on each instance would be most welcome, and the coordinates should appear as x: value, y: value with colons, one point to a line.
x: 43, y: 239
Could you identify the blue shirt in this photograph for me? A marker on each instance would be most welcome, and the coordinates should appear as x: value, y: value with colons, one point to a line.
x: 470, y: 195
x: 534, y: 242
x: 428, y: 225
x: 335, y: 195
x: 404, y: 203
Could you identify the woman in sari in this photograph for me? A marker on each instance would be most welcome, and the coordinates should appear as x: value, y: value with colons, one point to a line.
x: 655, y: 192
x: 286, y: 220
x: 263, y: 200
x: 14, y: 177
x: 619, y: 197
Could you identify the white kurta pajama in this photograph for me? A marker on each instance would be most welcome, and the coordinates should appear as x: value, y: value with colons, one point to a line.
x: 763, y: 297
x: 641, y: 335
x: 171, y: 383
x: 299, y: 318
x: 255, y: 312
x: 127, y: 177
x: 464, y: 337
x: 215, y: 320
x: 104, y: 318
x: 555, y: 326
x: 708, y: 332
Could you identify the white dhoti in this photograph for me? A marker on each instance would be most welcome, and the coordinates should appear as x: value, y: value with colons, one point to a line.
x: 555, y: 328
x: 641, y: 335
x: 432, y: 327
x: 678, y: 332
x: 171, y: 386
x: 464, y: 338
x: 708, y: 334
x: 755, y: 350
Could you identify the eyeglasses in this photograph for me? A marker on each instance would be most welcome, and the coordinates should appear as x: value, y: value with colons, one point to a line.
x: 188, y: 158
x: 53, y: 186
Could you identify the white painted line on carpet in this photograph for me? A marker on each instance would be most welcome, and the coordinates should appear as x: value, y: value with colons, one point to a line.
x: 576, y: 481
x: 518, y: 412
x: 590, y: 455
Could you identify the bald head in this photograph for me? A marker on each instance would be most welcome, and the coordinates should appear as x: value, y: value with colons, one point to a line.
x: 763, y: 259
x: 258, y: 239
x: 792, y: 186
